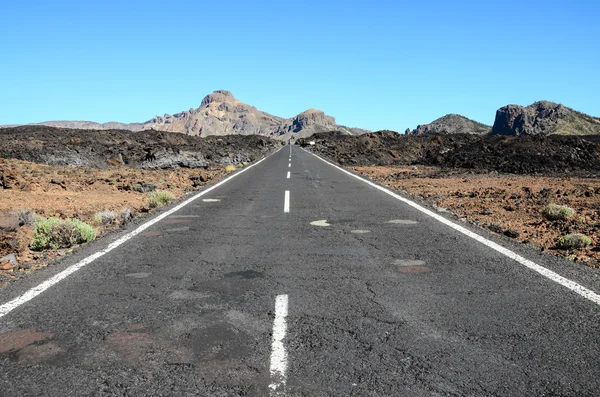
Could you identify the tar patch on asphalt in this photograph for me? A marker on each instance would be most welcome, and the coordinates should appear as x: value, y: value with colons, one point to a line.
x: 152, y: 234
x: 402, y: 222
x: 410, y: 266
x: 16, y: 340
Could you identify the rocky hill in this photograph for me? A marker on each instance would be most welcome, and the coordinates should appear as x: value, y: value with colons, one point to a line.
x: 543, y: 118
x: 220, y: 113
x: 452, y: 124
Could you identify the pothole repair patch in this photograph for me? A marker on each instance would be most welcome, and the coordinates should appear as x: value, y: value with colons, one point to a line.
x: 402, y: 222
x: 178, y: 229
x: 410, y: 266
x: 17, y: 340
x: 322, y: 223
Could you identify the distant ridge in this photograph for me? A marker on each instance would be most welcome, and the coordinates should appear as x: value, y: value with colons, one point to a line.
x: 220, y: 113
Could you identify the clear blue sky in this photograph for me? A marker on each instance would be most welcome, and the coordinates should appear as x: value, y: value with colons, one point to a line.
x: 371, y: 64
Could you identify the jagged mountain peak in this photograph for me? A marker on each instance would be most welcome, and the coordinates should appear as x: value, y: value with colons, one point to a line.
x: 218, y: 96
x: 543, y: 118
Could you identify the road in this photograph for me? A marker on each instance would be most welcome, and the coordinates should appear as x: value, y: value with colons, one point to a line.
x: 334, y: 288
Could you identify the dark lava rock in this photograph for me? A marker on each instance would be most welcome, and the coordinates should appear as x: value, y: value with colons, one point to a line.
x: 511, y: 233
x: 145, y: 149
x: 550, y: 155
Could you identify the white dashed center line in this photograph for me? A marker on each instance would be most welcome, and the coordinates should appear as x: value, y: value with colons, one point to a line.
x: 288, y: 175
x: 286, y: 202
x: 278, y: 353
x: 290, y: 165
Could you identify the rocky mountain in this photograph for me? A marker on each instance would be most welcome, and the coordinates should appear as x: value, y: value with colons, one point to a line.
x: 543, y: 118
x: 220, y: 113
x: 452, y: 124
x: 89, y: 125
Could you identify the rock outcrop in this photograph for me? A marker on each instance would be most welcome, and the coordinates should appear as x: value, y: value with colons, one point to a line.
x: 307, y: 123
x: 452, y: 124
x: 543, y: 118
x: 220, y: 113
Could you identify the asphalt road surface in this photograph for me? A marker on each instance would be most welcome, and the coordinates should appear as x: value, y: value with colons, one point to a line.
x: 294, y: 278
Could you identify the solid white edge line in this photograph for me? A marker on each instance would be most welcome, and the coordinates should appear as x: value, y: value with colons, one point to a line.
x: 288, y: 175
x: 278, y: 364
x: 557, y: 278
x: 286, y: 202
x: 35, y: 291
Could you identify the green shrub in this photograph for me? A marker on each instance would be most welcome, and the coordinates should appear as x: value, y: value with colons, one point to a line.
x: 573, y: 241
x: 86, y: 232
x: 555, y: 212
x: 159, y: 198
x: 41, y: 232
x: 54, y: 233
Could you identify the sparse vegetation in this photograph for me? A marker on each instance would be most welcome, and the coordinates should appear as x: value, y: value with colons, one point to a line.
x: 26, y: 217
x: 105, y: 217
x: 54, y: 233
x: 555, y: 212
x: 230, y: 168
x: 573, y: 241
x: 160, y: 198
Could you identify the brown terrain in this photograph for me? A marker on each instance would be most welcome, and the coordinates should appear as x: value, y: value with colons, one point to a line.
x: 506, y: 204
x: 78, y: 193
x: 80, y: 174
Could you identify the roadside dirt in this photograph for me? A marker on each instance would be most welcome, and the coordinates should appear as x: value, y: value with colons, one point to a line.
x: 506, y: 204
x: 74, y: 174
x: 77, y: 192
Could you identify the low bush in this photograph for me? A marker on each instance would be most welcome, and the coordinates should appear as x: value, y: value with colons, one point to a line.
x: 159, y: 198
x: 86, y: 232
x: 573, y: 241
x: 230, y: 168
x: 26, y: 217
x: 555, y: 212
x: 54, y: 233
x: 105, y: 217
x: 126, y: 215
